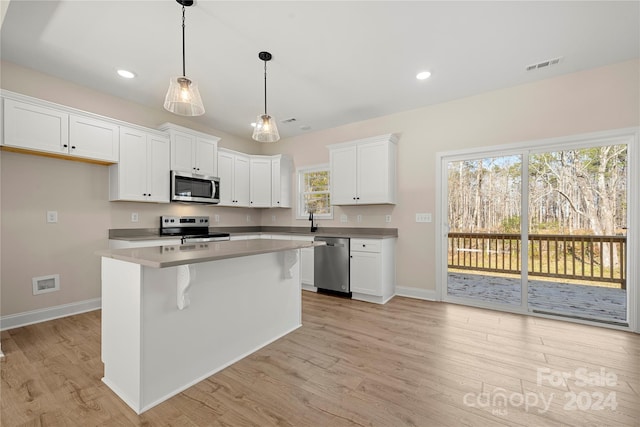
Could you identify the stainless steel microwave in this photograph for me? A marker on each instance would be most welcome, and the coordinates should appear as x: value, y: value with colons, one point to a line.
x: 190, y: 187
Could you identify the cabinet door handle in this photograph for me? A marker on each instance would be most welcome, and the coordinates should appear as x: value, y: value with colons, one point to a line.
x: 65, y: 145
x: 73, y: 147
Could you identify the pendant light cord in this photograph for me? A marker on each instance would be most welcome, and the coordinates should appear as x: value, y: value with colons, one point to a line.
x: 265, y: 88
x: 184, y: 74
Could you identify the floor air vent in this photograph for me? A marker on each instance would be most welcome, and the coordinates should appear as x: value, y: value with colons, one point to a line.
x: 45, y: 284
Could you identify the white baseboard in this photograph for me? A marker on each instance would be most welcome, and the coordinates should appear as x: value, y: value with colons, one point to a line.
x: 426, y: 294
x: 310, y: 288
x: 36, y: 316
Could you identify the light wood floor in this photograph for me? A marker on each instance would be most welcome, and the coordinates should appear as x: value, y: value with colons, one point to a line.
x: 409, y: 362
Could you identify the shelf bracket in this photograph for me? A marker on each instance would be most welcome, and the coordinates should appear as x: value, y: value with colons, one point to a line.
x: 186, y: 275
x: 290, y: 260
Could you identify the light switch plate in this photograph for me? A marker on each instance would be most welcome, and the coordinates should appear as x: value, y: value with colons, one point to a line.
x: 344, y: 218
x: 359, y: 218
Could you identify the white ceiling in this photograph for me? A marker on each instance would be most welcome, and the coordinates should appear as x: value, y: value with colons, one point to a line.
x: 334, y: 62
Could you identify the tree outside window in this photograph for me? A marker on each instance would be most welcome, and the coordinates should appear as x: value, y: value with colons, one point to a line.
x: 313, y: 192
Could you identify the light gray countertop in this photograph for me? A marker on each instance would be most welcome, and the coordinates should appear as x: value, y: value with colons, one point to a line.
x: 137, y: 234
x: 174, y: 255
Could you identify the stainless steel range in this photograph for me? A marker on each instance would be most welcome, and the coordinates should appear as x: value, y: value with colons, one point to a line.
x: 191, y: 229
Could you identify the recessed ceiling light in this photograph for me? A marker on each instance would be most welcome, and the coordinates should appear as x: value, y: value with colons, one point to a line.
x: 423, y: 75
x: 126, y: 74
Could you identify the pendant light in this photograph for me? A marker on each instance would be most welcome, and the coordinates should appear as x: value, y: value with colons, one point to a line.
x: 183, y: 97
x: 265, y: 129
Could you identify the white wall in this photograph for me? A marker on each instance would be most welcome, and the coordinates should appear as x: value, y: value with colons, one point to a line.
x: 593, y: 100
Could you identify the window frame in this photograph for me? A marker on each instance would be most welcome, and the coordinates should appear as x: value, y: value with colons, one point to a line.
x: 300, y: 208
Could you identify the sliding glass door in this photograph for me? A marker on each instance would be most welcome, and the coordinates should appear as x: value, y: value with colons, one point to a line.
x: 577, y: 232
x: 541, y: 229
x: 484, y: 213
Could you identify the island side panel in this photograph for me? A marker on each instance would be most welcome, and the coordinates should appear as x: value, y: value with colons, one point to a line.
x: 237, y: 306
x: 121, y: 329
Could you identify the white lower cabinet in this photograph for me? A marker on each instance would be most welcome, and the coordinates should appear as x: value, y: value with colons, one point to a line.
x: 306, y: 259
x: 306, y: 267
x: 373, y: 269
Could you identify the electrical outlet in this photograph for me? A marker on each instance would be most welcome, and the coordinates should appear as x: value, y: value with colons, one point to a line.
x: 216, y: 218
x: 359, y: 218
x: 423, y: 217
x: 134, y: 216
x: 387, y: 218
x: 344, y: 218
x: 52, y: 216
x: 273, y: 218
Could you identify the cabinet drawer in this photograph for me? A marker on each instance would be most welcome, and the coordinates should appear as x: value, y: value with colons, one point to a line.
x: 365, y: 245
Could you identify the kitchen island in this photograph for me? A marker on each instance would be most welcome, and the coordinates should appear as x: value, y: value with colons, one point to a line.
x: 174, y: 315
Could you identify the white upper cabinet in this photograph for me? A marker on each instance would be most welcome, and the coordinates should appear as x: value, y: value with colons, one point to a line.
x: 93, y: 139
x: 234, y: 171
x: 343, y: 168
x: 260, y: 176
x: 143, y: 172
x: 35, y: 127
x: 254, y: 181
x: 364, y: 171
x: 281, y: 175
x: 192, y: 151
x: 40, y: 126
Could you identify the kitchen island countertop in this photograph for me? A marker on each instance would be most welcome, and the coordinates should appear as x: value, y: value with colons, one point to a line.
x: 174, y: 255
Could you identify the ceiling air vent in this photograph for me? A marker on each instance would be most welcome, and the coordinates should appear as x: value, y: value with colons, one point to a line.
x: 544, y: 64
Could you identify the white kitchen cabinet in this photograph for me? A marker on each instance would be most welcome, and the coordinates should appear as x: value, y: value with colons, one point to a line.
x: 281, y: 172
x: 35, y: 127
x: 143, y: 171
x: 260, y: 178
x: 91, y: 138
x: 192, y: 151
x: 364, y: 171
x: 306, y: 262
x: 44, y: 127
x: 373, y: 269
x: 234, y: 172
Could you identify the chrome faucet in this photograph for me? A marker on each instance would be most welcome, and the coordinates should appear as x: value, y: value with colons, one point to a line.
x: 314, y: 228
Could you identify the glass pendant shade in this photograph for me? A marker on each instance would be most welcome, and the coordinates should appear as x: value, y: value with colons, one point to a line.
x: 183, y: 97
x: 266, y: 129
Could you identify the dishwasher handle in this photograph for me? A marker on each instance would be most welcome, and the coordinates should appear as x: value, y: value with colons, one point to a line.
x: 335, y: 245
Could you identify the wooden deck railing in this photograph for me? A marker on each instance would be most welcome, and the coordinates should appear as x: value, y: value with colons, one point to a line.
x: 592, y: 258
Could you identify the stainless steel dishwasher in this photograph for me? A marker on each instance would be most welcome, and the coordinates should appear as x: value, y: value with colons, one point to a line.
x: 331, y: 265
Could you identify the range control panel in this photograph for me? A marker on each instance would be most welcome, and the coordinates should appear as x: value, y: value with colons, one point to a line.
x: 184, y: 221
